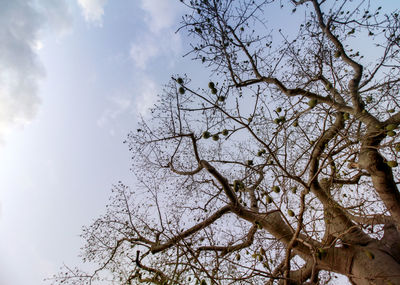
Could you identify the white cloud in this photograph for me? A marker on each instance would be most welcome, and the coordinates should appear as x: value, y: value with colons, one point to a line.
x: 141, y: 52
x: 126, y: 103
x: 160, y: 14
x: 147, y: 97
x: 159, y: 38
x: 93, y: 10
x: 119, y: 104
x: 56, y: 14
x: 151, y: 47
x: 22, y: 23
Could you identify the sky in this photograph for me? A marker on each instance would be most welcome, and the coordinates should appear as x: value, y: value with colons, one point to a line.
x: 75, y: 77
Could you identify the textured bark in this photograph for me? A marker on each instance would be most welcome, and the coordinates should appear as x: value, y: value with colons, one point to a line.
x: 382, y: 179
x: 372, y: 264
x: 382, y: 269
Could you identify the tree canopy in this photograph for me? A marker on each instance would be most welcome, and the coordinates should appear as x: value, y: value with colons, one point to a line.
x: 283, y: 170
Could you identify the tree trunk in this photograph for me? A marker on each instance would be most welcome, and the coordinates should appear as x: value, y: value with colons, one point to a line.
x: 374, y: 266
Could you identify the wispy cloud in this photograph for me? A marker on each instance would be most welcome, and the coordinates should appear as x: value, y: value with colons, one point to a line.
x: 22, y: 23
x: 126, y: 103
x: 160, y: 14
x: 159, y: 38
x: 141, y: 52
x: 118, y: 106
x: 93, y: 10
x: 147, y: 96
x: 150, y: 48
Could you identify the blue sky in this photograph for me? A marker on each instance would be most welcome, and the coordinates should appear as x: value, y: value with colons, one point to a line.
x: 75, y: 75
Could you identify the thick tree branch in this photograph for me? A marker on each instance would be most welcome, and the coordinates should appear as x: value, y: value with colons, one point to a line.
x: 171, y: 242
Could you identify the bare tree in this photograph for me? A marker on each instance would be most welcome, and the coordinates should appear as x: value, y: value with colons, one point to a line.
x: 282, y: 172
